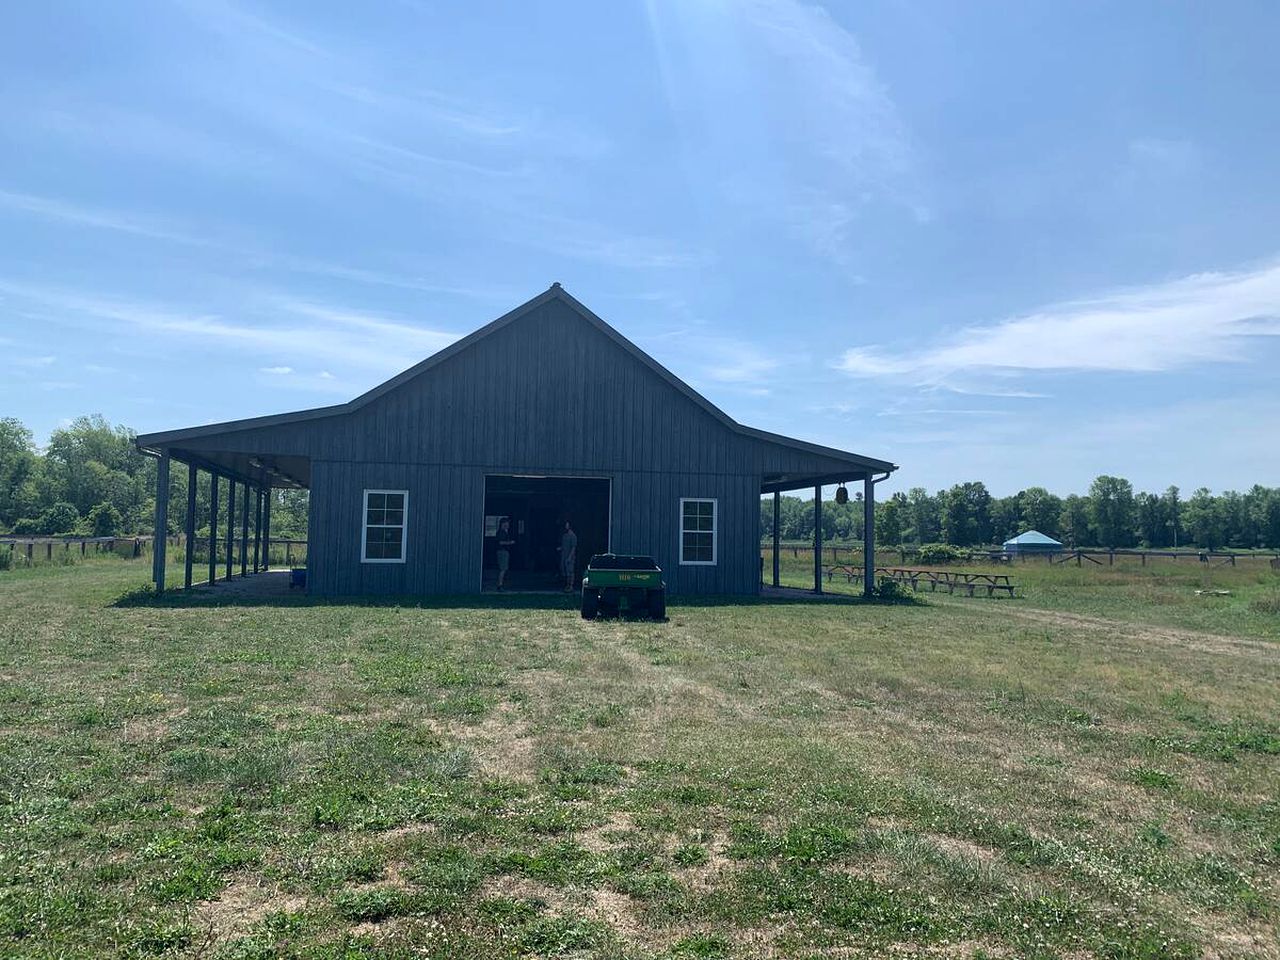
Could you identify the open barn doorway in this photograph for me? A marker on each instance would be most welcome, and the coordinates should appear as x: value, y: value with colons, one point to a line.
x: 536, y: 509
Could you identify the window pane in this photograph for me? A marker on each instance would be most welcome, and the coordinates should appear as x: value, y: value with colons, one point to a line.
x: 394, y: 501
x: 377, y: 501
x: 698, y: 548
x: 393, y: 517
x: 374, y: 515
x: 690, y: 510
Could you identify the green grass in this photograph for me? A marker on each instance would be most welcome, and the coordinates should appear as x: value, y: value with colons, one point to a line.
x: 1160, y: 594
x: 500, y: 778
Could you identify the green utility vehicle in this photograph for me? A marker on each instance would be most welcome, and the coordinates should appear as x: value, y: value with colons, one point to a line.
x: 613, y: 582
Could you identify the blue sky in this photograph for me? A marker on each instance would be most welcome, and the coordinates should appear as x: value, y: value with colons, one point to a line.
x: 1024, y: 243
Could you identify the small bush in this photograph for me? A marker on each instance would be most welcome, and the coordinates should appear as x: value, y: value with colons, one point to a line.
x: 933, y: 553
x: 1266, y: 605
x: 62, y: 517
x: 889, y: 590
x: 26, y: 527
x: 104, y: 520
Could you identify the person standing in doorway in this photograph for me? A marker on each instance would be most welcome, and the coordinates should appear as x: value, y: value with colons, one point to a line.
x: 568, y: 556
x: 506, y: 541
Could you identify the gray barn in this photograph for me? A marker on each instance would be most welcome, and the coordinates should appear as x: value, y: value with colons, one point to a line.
x: 545, y: 414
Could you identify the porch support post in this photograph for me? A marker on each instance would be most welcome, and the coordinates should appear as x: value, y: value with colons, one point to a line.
x: 868, y: 535
x: 266, y: 528
x: 817, y: 539
x: 777, y: 536
x: 160, y: 541
x: 231, y: 526
x: 257, y: 527
x: 189, y: 530
x: 244, y: 530
x: 213, y: 528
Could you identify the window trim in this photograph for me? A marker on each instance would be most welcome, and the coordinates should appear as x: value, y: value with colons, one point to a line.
x: 364, y: 528
x: 715, y: 531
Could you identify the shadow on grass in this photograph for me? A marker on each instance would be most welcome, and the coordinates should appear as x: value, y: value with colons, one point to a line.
x: 181, y: 599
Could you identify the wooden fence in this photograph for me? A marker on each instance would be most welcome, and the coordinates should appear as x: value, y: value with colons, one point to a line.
x: 989, y: 555
x: 47, y: 549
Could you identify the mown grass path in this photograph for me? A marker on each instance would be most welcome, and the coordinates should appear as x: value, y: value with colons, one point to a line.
x: 477, y: 780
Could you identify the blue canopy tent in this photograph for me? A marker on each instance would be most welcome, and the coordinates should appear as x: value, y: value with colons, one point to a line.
x: 1033, y: 541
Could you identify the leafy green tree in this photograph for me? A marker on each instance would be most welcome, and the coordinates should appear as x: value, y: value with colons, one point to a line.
x: 1112, y: 511
x: 18, y: 463
x: 1269, y: 519
x: 966, y: 514
x: 1075, y: 521
x: 924, y: 523
x: 62, y: 517
x: 1173, y: 514
x: 1006, y: 518
x: 104, y: 520
x: 1042, y: 511
x: 1204, y: 520
x: 890, y: 515
x: 1152, y: 527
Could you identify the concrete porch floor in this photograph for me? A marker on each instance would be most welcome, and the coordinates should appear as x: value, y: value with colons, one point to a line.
x: 265, y: 585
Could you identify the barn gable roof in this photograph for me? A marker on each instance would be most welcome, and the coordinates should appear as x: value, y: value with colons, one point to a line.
x: 555, y: 292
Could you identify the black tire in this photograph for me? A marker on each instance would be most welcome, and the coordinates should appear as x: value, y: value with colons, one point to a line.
x: 590, y: 604
x: 658, y: 604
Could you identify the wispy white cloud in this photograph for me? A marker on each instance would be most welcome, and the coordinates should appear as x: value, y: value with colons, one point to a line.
x: 277, y: 371
x: 822, y: 138
x: 35, y: 362
x: 378, y: 329
x: 249, y: 255
x: 53, y: 208
x: 1204, y: 318
x: 331, y: 335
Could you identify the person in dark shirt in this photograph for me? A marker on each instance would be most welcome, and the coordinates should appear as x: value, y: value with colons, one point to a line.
x: 506, y: 543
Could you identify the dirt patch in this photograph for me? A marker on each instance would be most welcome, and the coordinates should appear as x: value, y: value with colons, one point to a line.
x: 241, y: 906
x: 502, y: 744
x: 522, y: 888
x: 606, y: 836
x: 963, y: 849
x: 715, y: 870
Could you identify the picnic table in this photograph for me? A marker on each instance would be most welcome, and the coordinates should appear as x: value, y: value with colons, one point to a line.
x: 949, y: 580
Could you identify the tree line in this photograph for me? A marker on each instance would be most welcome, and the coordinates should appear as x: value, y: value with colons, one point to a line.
x: 1110, y: 515
x: 90, y: 480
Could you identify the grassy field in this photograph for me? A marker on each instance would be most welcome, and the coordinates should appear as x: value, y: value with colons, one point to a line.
x: 1091, y: 770
x: 1160, y: 594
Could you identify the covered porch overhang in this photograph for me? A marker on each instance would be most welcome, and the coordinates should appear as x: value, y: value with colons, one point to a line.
x: 251, y: 475
x: 870, y: 474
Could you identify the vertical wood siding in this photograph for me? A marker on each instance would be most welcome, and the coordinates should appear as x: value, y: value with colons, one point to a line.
x: 547, y: 394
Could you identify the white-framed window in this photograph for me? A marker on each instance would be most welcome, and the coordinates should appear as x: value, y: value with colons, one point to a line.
x: 384, y: 525
x: 698, y: 531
